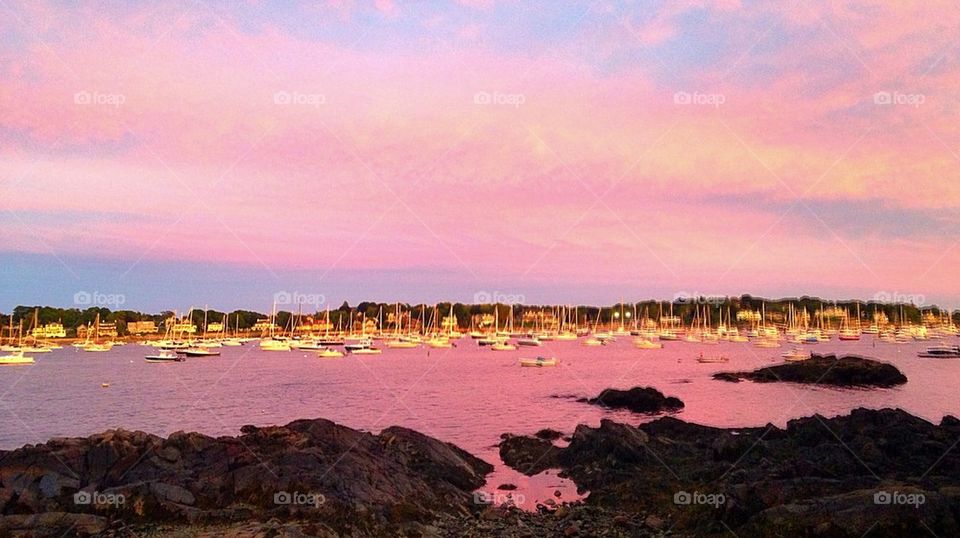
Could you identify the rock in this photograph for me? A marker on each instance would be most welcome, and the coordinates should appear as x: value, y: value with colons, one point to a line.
x: 528, y: 455
x: 818, y: 475
x: 654, y: 522
x: 850, y: 371
x: 548, y: 434
x: 638, y: 400
x: 572, y: 530
x: 317, y: 469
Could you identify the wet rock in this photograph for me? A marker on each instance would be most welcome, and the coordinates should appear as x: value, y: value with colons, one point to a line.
x: 548, y: 434
x: 313, y: 469
x: 528, y: 455
x: 638, y: 400
x: 850, y: 371
x: 818, y: 475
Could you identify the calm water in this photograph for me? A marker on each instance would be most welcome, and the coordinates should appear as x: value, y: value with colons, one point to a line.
x: 466, y: 395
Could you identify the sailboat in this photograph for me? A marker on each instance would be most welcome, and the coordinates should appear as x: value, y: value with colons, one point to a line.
x: 17, y: 357
x: 95, y: 346
x: 273, y: 343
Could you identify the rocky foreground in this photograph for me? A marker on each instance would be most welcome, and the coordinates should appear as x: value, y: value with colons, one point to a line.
x: 876, y: 473
x: 850, y: 371
x: 344, y: 482
x: 885, y: 473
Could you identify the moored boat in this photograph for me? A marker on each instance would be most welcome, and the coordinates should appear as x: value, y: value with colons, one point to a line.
x: 538, y: 362
x: 165, y: 355
x: 16, y: 357
x: 199, y: 352
x: 940, y: 352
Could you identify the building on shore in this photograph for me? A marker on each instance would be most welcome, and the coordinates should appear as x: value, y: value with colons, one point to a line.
x: 106, y: 330
x: 50, y: 330
x: 141, y: 327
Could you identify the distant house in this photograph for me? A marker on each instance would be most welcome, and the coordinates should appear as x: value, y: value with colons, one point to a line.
x: 50, y: 330
x: 107, y: 330
x: 264, y: 325
x: 141, y: 327
x: 215, y: 327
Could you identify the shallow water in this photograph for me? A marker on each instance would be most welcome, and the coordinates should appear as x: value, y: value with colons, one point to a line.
x: 465, y: 395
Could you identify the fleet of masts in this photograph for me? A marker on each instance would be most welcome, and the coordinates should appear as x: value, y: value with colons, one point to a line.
x: 422, y: 326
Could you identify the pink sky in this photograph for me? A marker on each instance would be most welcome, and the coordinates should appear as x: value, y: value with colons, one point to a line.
x: 589, y: 171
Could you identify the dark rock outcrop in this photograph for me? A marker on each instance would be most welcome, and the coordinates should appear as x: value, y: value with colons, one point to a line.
x: 886, y: 472
x: 637, y: 399
x: 350, y: 481
x: 848, y: 371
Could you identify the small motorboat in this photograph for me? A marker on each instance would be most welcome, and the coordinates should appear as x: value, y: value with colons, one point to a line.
x: 643, y: 343
x: 503, y: 346
x: 97, y: 348
x: 712, y: 360
x: 17, y: 357
x: 487, y: 341
x: 529, y: 342
x: 199, y: 352
x: 274, y: 345
x: 940, y: 352
x: 329, y: 353
x: 361, y: 344
x: 165, y: 355
x: 440, y: 343
x: 232, y: 342
x: 401, y: 344
x: 593, y: 342
x: 538, y: 362
x: 366, y: 351
x: 795, y: 355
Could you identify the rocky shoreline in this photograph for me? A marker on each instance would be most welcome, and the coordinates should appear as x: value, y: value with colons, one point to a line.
x: 879, y: 471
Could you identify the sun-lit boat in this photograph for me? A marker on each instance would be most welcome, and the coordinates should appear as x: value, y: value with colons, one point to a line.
x: 329, y: 353
x: 401, y: 344
x: 503, y: 346
x: 643, y: 343
x: 97, y: 348
x: 366, y: 351
x: 795, y: 355
x: 199, y: 352
x: 538, y: 362
x: 712, y: 359
x: 593, y: 342
x: 16, y: 357
x: 274, y: 345
x: 165, y: 355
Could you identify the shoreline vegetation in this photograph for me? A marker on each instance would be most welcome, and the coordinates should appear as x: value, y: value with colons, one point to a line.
x: 680, y: 311
x: 883, y: 471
